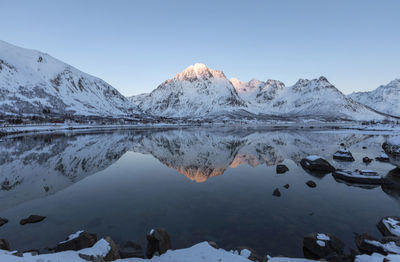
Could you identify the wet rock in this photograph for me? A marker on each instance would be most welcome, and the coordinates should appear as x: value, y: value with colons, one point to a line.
x: 388, y: 239
x: 280, y: 169
x: 343, y: 155
x: 317, y: 164
x: 286, y: 186
x: 382, y: 158
x: 364, y: 147
x: 319, y: 246
x: 367, y: 160
x: 3, y: 221
x: 311, y: 184
x: 213, y: 244
x: 158, y: 241
x: 367, y: 177
x: 364, y: 243
x: 131, y: 249
x: 77, y: 241
x: 276, y: 192
x: 389, y: 226
x: 249, y: 253
x: 113, y: 254
x: 4, y: 244
x: 32, y: 219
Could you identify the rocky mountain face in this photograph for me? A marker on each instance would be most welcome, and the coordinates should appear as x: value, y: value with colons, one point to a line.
x: 197, y: 91
x: 34, y: 83
x: 386, y: 98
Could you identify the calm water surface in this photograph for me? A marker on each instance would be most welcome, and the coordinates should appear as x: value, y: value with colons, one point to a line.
x: 199, y: 184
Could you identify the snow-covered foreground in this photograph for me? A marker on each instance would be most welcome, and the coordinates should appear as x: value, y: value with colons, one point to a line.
x: 199, y: 252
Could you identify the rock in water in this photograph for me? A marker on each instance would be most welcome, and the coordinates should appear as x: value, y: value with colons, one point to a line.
x: 317, y: 164
x: 365, y: 243
x: 32, y: 219
x: 390, y: 226
x: 280, y: 169
x: 158, y: 240
x: 131, y: 249
x: 4, y: 244
x: 322, y: 246
x: 77, y: 241
x: 343, y: 155
x: 286, y: 186
x: 311, y: 184
x: 3, y: 221
x: 382, y: 158
x: 367, y: 160
x: 276, y: 192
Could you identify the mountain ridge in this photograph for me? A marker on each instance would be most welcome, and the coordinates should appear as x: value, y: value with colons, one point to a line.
x: 306, y: 98
x: 35, y: 83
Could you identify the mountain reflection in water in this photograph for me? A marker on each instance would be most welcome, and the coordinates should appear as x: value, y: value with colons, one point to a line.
x: 230, y: 202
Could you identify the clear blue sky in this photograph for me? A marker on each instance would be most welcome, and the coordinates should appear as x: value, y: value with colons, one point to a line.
x: 136, y: 45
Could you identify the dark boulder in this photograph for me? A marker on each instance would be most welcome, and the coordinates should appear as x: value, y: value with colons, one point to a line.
x: 317, y: 164
x: 32, y: 219
x: 77, y: 241
x: 280, y: 169
x: 367, y: 160
x: 389, y: 226
x: 276, y: 192
x: 382, y: 158
x: 343, y: 155
x: 4, y: 244
x: 322, y: 246
x: 311, y: 184
x: 3, y: 221
x: 286, y: 186
x: 131, y: 249
x: 113, y: 254
x: 367, y: 177
x: 365, y: 243
x: 158, y: 241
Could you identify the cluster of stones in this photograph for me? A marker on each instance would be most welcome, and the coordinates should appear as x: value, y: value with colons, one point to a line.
x: 158, y: 242
x: 330, y: 248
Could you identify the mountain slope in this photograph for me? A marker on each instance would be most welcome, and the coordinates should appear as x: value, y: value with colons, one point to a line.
x: 386, y: 98
x: 196, y: 92
x: 33, y: 83
x: 316, y: 98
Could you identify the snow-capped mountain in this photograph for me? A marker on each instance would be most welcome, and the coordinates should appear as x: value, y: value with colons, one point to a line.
x: 34, y: 83
x: 310, y: 98
x: 386, y: 98
x: 197, y: 91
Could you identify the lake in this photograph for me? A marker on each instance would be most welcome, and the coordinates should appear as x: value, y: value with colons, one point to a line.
x: 198, y: 183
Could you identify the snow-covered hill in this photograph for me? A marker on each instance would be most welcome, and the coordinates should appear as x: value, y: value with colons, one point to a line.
x: 197, y: 91
x: 34, y: 83
x: 386, y: 98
